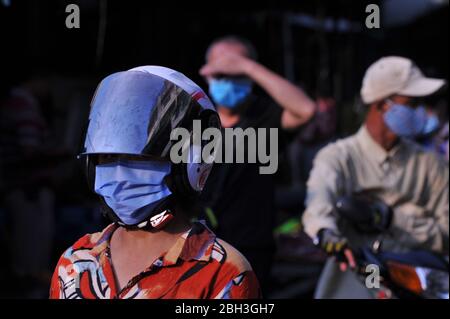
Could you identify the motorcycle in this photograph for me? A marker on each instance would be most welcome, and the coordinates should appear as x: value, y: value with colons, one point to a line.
x: 414, y: 274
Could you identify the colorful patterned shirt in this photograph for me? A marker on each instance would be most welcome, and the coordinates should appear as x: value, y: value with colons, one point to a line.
x: 199, y: 265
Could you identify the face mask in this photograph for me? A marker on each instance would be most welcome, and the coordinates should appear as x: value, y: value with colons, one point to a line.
x: 229, y: 93
x: 405, y: 121
x: 132, y: 189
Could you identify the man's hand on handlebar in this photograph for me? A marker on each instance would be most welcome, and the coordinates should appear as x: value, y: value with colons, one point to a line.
x: 336, y: 245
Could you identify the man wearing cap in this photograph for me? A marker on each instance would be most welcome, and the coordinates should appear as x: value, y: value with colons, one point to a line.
x: 381, y: 161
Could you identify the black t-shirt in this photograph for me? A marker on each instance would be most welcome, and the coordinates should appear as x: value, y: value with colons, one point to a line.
x: 241, y: 198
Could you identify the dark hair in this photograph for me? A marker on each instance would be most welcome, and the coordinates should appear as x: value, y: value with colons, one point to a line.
x: 234, y: 39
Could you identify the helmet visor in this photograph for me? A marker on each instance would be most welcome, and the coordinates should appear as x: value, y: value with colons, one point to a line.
x: 135, y: 112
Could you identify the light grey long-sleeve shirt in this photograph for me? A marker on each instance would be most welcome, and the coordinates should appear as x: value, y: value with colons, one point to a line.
x: 412, y: 181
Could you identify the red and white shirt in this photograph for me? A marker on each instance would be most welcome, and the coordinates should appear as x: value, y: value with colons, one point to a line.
x: 199, y: 265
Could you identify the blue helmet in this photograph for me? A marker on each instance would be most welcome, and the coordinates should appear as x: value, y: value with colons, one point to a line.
x: 134, y: 112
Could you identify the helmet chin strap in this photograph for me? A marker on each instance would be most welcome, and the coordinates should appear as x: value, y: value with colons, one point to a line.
x: 154, y: 222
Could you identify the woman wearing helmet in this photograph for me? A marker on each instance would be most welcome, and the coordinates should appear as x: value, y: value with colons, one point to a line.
x: 151, y: 249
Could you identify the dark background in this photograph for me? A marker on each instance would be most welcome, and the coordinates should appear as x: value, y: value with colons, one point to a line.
x: 325, y: 61
x: 34, y: 36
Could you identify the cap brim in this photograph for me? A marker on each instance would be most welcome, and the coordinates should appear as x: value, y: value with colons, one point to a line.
x: 422, y: 87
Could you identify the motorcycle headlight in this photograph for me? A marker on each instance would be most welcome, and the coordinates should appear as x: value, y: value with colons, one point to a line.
x: 427, y: 282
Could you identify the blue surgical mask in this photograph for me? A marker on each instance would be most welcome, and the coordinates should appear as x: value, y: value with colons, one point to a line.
x: 229, y: 92
x: 405, y: 121
x: 132, y: 189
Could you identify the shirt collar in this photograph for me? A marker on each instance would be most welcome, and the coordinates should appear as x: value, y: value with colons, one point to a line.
x: 195, y: 244
x: 374, y: 150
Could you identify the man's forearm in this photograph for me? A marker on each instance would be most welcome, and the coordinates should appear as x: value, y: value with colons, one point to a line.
x: 287, y: 95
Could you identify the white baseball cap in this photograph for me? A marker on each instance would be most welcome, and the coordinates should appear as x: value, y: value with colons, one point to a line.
x: 396, y: 75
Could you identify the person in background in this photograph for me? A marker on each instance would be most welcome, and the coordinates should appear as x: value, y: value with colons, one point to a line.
x: 381, y: 161
x: 313, y: 136
x: 28, y: 194
x: 239, y: 201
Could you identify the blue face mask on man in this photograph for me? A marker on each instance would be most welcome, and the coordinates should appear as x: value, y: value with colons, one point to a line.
x: 132, y: 189
x: 228, y: 92
x: 405, y: 121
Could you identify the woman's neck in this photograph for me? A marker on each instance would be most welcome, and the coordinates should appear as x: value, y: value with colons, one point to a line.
x: 164, y: 237
x: 133, y: 251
